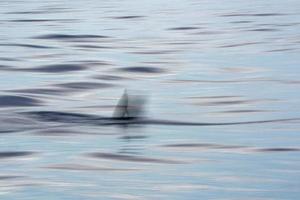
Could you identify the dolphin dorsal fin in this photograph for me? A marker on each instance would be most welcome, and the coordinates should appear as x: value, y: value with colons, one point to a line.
x: 129, y: 106
x: 121, y: 109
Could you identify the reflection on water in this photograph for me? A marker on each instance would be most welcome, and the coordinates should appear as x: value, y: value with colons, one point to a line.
x: 203, y: 65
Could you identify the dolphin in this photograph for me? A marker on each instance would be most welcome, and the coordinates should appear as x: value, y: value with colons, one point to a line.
x: 129, y: 111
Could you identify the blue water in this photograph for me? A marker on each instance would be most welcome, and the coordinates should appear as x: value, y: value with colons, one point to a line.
x: 194, y: 61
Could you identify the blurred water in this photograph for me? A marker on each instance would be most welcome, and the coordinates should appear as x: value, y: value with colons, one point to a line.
x: 196, y: 60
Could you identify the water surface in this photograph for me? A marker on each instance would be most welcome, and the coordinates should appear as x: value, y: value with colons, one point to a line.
x: 196, y: 61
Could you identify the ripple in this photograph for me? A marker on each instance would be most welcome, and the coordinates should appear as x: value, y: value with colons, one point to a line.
x: 8, y: 59
x: 8, y: 100
x: 252, y: 14
x: 241, y: 22
x: 278, y: 149
x: 282, y: 50
x: 209, y: 32
x: 133, y: 137
x: 264, y: 29
x: 44, y: 91
x: 95, y: 62
x: 245, y: 111
x: 242, y: 70
x: 8, y: 177
x: 69, y: 36
x: 129, y: 17
x: 110, y: 77
x: 5, y: 67
x: 13, y: 154
x: 25, y: 12
x: 238, y: 148
x: 41, y: 20
x: 130, y: 158
x: 216, y: 97
x: 64, y: 117
x: 157, y: 52
x: 85, y: 85
x: 62, y: 131
x: 56, y: 68
x: 227, y: 100
x: 150, y: 70
x: 86, y: 46
x: 202, y: 146
x: 229, y: 81
x: 28, y: 46
x: 83, y: 167
x: 240, y: 44
x: 183, y: 28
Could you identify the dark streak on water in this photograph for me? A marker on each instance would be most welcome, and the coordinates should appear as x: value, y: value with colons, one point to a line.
x: 281, y: 149
x: 246, y: 111
x: 7, y: 59
x: 239, y: 45
x: 92, y: 47
x: 41, y: 20
x: 68, y: 37
x: 65, y: 117
x: 241, y: 22
x: 16, y: 101
x: 253, y: 15
x: 130, y: 158
x: 129, y: 17
x: 142, y: 69
x: 55, y: 68
x: 2, y: 178
x: 133, y: 137
x: 34, y: 46
x: 264, y: 29
x: 14, y: 154
x: 281, y: 50
x: 25, y: 12
x: 183, y: 28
